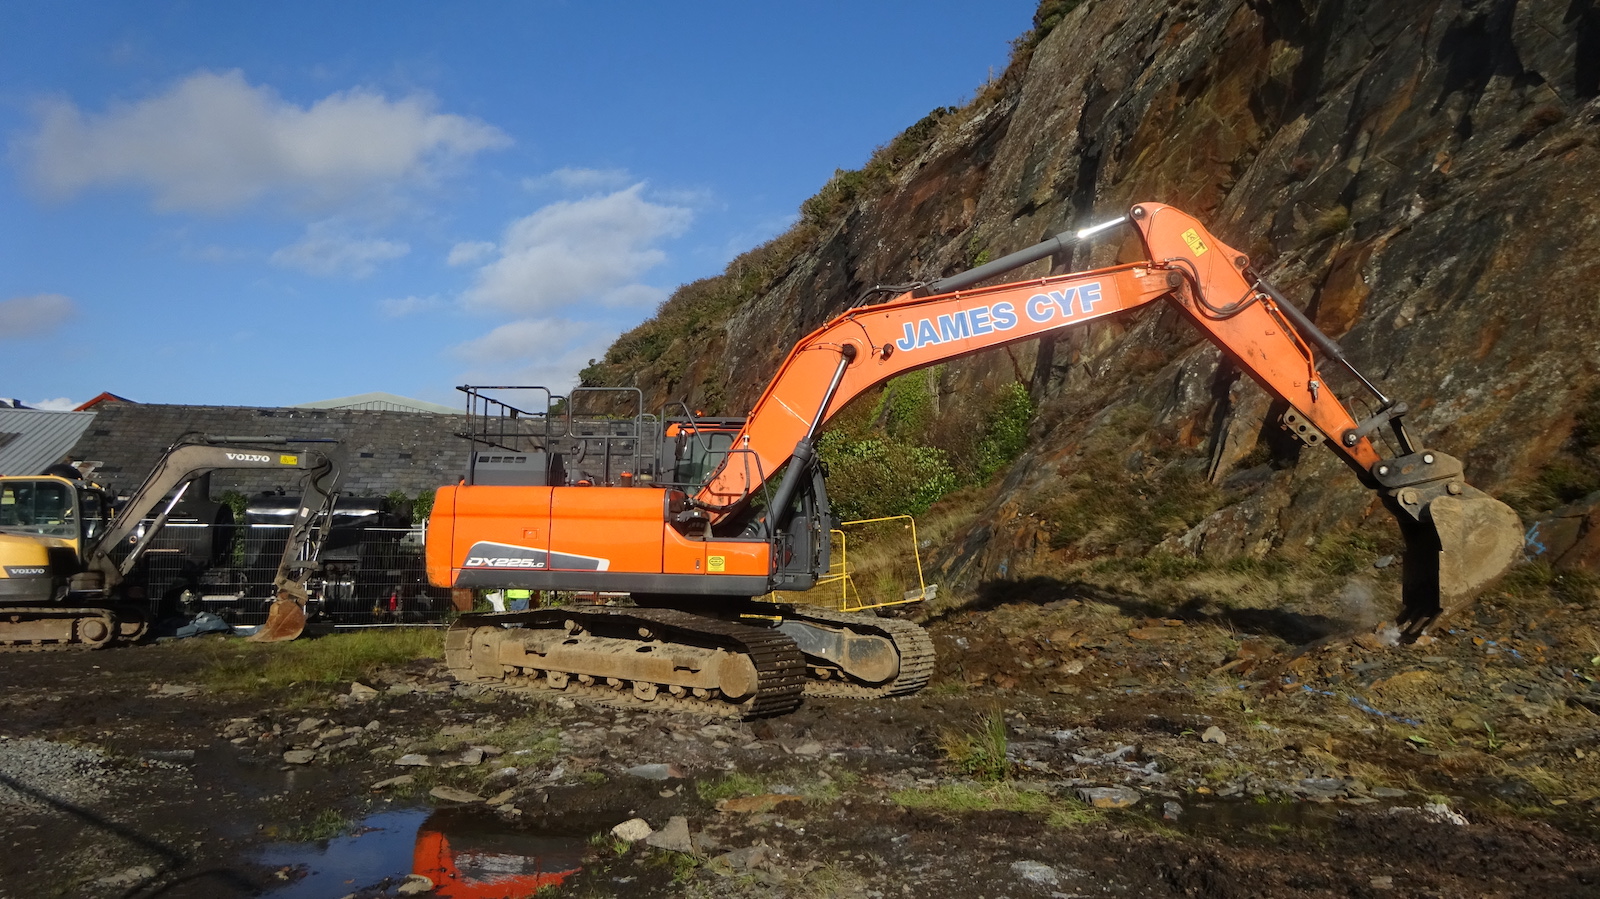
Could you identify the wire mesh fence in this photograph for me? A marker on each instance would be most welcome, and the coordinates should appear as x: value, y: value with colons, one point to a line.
x: 367, y: 575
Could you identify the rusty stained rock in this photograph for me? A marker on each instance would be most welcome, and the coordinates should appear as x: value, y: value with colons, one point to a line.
x: 1570, y: 536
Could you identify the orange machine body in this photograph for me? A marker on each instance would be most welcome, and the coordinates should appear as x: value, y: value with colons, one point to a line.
x: 583, y: 538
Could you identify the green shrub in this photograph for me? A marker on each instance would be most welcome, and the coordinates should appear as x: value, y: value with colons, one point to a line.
x: 423, y: 507
x: 1006, y: 434
x: 236, y: 501
x: 906, y: 407
x: 875, y: 477
x: 834, y: 198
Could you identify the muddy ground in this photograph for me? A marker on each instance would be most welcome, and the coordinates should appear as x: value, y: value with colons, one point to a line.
x: 1248, y: 758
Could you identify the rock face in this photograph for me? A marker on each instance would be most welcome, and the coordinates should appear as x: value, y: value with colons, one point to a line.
x: 1422, y: 178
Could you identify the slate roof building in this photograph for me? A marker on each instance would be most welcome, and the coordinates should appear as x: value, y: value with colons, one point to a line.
x: 382, y: 450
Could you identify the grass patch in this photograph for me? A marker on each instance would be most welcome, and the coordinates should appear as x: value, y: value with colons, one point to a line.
x: 680, y: 865
x: 730, y: 786
x: 832, y: 879
x: 979, y: 754
x: 1537, y: 579
x: 532, y: 736
x: 604, y: 845
x: 241, y: 666
x: 1067, y: 813
x: 327, y: 824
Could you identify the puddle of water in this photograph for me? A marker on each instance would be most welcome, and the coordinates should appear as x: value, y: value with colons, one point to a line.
x: 467, y: 854
x: 1218, y: 818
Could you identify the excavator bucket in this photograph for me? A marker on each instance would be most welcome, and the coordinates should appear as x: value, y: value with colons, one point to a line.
x: 1458, y: 540
x: 286, y: 619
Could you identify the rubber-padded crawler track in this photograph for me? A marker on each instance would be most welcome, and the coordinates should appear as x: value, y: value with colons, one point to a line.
x: 70, y: 638
x: 911, y: 641
x: 780, y: 668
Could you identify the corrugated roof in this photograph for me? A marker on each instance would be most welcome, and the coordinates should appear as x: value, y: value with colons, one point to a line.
x: 32, y: 440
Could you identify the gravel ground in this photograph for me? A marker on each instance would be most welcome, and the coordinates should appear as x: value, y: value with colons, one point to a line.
x: 35, y: 774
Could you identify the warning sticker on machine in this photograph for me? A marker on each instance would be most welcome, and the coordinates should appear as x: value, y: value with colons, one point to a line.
x: 1196, y: 245
x: 716, y: 563
x: 288, y: 460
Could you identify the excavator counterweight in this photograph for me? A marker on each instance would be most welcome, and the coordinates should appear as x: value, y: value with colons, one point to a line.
x: 674, y: 538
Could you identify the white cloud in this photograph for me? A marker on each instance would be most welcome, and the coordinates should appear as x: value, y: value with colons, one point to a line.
x: 214, y: 142
x: 58, y: 404
x: 404, y: 306
x: 31, y: 316
x: 544, y: 352
x: 469, y: 252
x: 326, y: 251
x: 577, y: 251
x: 580, y: 180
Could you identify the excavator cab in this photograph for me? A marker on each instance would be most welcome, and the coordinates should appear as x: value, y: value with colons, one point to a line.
x: 692, y: 449
x: 52, y: 507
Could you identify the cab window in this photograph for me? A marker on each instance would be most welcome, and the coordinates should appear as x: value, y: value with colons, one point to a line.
x: 699, y: 455
x: 93, y: 512
x: 38, y: 507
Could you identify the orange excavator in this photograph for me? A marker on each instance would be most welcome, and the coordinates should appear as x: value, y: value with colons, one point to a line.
x: 693, y: 550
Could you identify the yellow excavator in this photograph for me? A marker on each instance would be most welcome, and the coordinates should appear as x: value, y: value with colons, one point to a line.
x: 65, y: 553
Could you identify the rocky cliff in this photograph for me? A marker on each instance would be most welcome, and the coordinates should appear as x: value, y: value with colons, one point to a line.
x: 1422, y: 177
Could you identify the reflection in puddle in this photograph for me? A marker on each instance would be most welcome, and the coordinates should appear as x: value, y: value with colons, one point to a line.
x: 477, y: 859
x: 467, y: 855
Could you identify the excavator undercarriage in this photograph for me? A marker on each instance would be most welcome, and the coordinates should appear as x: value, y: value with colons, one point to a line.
x: 45, y: 629
x: 754, y: 666
x: 695, y: 511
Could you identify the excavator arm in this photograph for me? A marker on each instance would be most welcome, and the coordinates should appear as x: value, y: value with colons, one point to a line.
x: 1458, y: 539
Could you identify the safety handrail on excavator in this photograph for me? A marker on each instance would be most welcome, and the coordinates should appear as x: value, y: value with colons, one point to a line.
x: 494, y: 422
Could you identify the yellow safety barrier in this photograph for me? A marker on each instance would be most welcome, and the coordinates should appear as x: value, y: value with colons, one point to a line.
x: 889, y: 574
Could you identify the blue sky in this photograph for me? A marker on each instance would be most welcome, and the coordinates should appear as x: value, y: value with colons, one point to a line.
x: 273, y: 203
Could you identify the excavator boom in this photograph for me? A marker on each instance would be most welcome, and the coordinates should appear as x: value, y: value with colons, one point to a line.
x: 1458, y: 539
